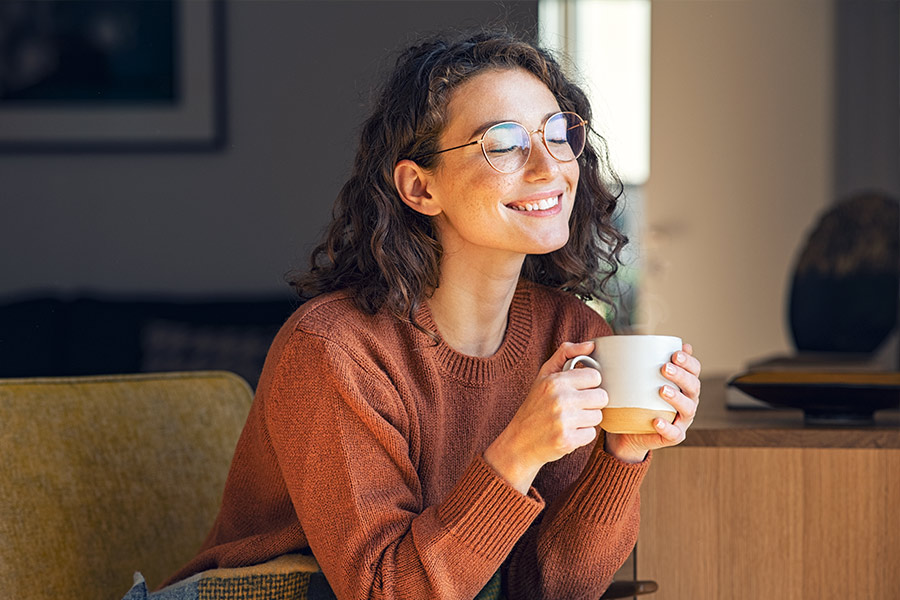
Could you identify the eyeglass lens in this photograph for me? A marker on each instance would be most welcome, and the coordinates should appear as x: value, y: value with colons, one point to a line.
x: 508, y: 145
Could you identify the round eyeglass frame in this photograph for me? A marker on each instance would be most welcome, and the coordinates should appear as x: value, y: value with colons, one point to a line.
x: 541, y: 129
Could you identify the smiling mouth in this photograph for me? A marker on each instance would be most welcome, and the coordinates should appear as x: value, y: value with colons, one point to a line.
x: 543, y: 204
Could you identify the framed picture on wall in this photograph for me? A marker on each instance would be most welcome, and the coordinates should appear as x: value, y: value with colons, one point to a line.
x: 109, y: 75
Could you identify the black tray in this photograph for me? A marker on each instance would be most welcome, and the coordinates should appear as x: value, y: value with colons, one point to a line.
x: 825, y: 398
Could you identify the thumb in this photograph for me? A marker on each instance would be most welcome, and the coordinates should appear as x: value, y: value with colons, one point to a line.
x: 566, y: 351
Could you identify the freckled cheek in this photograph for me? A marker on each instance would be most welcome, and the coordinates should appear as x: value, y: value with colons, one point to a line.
x: 502, y: 189
x: 485, y: 195
x: 572, y: 175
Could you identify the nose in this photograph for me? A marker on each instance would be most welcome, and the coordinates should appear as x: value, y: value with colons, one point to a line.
x: 540, y: 165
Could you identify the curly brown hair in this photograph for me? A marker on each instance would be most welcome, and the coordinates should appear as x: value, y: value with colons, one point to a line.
x: 389, y: 254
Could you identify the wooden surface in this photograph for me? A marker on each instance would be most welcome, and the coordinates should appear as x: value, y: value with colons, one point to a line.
x: 755, y: 505
x: 719, y: 426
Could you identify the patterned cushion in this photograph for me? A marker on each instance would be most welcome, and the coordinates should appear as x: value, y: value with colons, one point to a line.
x: 288, y: 577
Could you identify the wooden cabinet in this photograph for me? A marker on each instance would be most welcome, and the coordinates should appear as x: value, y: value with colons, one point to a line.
x: 755, y: 505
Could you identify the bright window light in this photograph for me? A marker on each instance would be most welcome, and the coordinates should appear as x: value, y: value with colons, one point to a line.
x: 605, y: 45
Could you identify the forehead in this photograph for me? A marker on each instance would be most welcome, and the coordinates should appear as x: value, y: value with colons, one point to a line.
x: 497, y: 95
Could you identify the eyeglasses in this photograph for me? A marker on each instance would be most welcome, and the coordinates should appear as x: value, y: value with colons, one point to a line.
x: 507, y: 146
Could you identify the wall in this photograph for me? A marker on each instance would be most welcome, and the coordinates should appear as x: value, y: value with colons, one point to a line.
x: 743, y: 100
x: 741, y: 165
x: 230, y: 222
x: 867, y: 94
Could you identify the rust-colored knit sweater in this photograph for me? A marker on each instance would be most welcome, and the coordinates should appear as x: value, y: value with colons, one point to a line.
x: 364, y: 445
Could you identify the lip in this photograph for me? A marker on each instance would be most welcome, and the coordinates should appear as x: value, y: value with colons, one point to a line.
x: 533, y: 198
x: 536, y: 197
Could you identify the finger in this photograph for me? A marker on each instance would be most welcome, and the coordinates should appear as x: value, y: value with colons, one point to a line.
x: 593, y: 400
x: 580, y: 378
x: 687, y: 360
x: 685, y: 407
x: 671, y: 433
x: 686, y: 381
x: 584, y: 435
x: 587, y: 419
x: 566, y: 351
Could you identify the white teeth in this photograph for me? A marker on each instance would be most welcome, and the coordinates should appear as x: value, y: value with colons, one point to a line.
x: 539, y: 205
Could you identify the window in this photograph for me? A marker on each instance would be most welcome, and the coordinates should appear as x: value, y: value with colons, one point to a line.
x: 605, y: 46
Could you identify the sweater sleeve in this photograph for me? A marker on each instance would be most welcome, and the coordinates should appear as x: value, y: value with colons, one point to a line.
x: 340, y: 433
x: 584, y: 536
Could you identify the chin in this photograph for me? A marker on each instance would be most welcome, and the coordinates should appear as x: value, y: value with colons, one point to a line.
x: 548, y: 246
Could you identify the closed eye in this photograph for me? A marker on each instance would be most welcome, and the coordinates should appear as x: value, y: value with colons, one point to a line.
x: 506, y: 150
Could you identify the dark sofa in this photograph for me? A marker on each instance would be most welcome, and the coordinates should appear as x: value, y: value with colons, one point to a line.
x: 103, y: 334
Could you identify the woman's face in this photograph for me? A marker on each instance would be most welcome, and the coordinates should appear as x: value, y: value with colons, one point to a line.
x: 482, y: 209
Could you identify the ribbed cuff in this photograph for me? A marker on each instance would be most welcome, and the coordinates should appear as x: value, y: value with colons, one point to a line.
x: 486, y: 513
x: 607, y: 486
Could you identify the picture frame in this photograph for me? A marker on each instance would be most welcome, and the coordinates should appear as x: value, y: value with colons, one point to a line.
x: 177, y: 105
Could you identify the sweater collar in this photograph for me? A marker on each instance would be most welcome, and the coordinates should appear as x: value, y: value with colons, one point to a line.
x: 479, y: 370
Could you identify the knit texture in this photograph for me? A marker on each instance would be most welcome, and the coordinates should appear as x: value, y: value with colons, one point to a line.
x: 364, y: 446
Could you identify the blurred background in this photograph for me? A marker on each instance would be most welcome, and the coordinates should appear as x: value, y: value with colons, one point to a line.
x: 164, y: 164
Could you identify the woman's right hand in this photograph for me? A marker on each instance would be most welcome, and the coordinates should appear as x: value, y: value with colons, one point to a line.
x: 559, y: 415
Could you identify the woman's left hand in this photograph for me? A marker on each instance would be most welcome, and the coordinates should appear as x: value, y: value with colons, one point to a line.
x: 684, y: 372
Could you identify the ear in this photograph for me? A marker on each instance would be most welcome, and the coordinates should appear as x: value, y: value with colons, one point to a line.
x: 412, y: 183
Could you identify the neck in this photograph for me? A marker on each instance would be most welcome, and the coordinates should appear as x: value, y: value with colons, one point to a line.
x: 471, y: 305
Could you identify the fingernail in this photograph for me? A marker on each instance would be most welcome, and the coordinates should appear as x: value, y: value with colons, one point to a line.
x: 658, y: 423
x: 668, y: 392
x: 679, y: 357
x: 670, y: 368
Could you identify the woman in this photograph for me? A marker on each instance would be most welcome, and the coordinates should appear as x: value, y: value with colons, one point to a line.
x: 413, y: 428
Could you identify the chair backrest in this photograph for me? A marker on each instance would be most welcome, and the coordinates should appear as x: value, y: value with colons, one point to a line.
x: 104, y: 476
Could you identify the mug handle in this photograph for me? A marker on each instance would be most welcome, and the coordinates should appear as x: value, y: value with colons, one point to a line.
x: 572, y: 362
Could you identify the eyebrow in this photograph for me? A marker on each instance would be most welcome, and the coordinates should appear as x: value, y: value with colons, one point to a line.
x: 485, y: 126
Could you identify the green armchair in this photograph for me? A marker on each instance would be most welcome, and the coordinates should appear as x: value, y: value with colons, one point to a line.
x: 104, y: 476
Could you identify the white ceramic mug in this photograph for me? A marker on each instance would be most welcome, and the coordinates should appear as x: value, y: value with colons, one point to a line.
x: 630, y: 367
